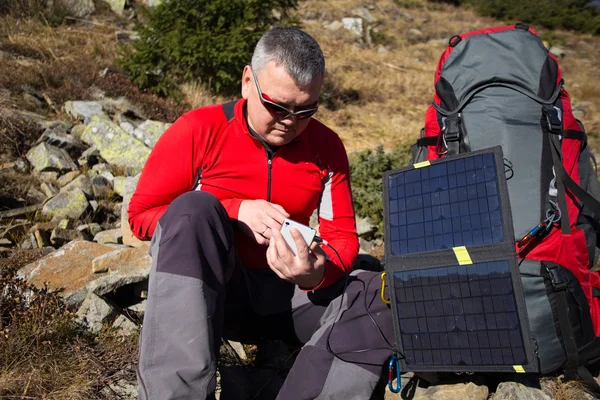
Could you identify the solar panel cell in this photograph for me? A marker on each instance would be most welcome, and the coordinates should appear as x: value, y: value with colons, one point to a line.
x: 461, y: 204
x: 468, y: 312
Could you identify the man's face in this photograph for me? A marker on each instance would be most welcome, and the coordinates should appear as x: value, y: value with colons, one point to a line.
x: 276, y: 84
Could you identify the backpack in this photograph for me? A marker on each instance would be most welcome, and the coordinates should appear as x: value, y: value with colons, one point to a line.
x: 501, y: 86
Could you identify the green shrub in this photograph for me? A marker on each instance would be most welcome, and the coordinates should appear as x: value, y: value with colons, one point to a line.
x: 366, y: 171
x: 551, y: 14
x: 200, y: 40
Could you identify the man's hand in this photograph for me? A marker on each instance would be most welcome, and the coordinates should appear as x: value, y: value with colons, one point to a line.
x: 260, y: 218
x: 306, y: 269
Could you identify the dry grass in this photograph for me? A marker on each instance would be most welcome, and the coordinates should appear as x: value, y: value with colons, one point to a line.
x: 45, y: 355
x: 391, y: 91
x: 69, y: 62
x: 559, y: 390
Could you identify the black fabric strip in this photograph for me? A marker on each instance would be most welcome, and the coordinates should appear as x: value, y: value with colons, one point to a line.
x: 427, y: 141
x: 589, y: 380
x: 228, y: 110
x: 595, y: 292
x: 567, y: 335
x: 571, y: 134
x: 561, y: 175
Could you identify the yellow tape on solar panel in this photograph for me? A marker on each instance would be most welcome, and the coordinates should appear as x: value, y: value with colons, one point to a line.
x: 462, y: 255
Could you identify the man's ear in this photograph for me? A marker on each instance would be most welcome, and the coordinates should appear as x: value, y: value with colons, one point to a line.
x: 246, y: 81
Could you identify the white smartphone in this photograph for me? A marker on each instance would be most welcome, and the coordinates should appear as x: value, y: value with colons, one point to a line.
x: 307, y: 233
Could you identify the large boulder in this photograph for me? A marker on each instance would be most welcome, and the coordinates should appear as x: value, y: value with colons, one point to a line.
x: 75, y: 270
x: 67, y: 270
x: 115, y: 145
x: 149, y: 131
x: 45, y: 157
x: 518, y: 391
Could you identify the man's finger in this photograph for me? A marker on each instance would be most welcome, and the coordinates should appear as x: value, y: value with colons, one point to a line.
x: 281, y: 210
x: 276, y: 213
x: 301, y: 247
x: 284, y: 252
x: 274, y: 261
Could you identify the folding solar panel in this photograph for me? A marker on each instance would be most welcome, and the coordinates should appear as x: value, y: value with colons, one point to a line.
x: 450, y: 259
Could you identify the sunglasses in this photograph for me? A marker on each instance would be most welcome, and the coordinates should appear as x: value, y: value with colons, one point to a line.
x: 279, y: 111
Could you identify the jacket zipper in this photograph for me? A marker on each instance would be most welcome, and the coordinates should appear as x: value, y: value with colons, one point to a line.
x: 270, y: 166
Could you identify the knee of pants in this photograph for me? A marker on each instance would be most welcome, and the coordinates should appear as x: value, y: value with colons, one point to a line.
x: 197, y: 207
x: 194, y: 233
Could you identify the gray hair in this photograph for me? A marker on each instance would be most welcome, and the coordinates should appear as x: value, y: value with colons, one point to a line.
x: 297, y: 51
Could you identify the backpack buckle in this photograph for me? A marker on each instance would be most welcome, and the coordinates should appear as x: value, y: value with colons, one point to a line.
x: 553, y: 118
x: 558, y: 284
x: 451, y: 128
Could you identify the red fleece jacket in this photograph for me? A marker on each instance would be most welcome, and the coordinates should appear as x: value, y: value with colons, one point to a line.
x: 310, y: 172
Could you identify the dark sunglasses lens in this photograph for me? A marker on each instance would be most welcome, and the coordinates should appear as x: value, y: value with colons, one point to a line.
x: 306, y: 113
x: 275, y: 109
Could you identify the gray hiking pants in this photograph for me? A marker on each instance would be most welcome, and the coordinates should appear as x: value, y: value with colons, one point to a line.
x: 197, y: 289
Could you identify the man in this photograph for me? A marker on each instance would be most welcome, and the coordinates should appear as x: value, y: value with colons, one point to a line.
x: 213, y: 195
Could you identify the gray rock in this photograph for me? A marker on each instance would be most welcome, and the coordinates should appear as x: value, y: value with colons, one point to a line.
x: 35, y: 196
x: 152, y: 3
x: 65, y: 224
x: 72, y: 204
x: 118, y: 6
x: 124, y: 325
x: 365, y: 14
x: 127, y: 123
x: 48, y: 176
x: 139, y: 307
x: 81, y: 183
x: 381, y: 49
x: 89, y: 157
x: 104, y: 171
x: 45, y: 157
x: 115, y: 145
x: 83, y: 110
x: 149, y: 131
x: 100, y: 187
x: 128, y: 237
x: 61, y: 140
x: 126, y: 37
x: 21, y: 166
x: 76, y: 8
x: 414, y: 32
x: 125, y: 266
x: 334, y: 26
x: 61, y: 236
x: 92, y: 229
x: 110, y: 236
x: 518, y: 391
x: 557, y: 51
x: 67, y: 178
x: 459, y: 391
x: 70, y: 269
x: 77, y: 131
x: 123, y: 389
x: 354, y: 25
x: 93, y: 313
x: 48, y: 189
x: 364, y: 227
